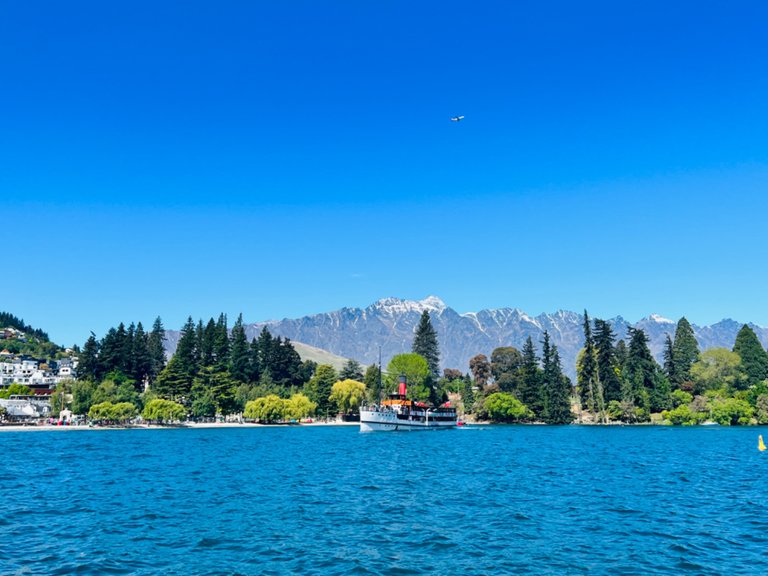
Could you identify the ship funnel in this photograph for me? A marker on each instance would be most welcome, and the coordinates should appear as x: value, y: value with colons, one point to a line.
x: 402, y: 386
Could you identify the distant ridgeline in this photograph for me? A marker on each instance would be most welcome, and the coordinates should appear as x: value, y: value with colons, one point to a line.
x: 8, y: 320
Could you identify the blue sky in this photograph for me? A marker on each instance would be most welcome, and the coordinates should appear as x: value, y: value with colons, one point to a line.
x: 285, y: 158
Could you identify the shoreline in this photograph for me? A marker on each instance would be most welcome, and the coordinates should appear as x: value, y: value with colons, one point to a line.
x: 187, y: 425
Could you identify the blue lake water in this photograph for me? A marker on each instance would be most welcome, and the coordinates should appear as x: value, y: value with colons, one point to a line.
x: 330, y: 500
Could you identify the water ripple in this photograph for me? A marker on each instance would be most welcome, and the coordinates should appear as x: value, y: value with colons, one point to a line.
x: 522, y: 500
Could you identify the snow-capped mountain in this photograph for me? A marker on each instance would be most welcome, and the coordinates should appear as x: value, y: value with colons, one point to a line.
x: 389, y: 323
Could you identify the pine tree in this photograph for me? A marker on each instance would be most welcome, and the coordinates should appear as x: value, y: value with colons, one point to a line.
x: 645, y: 385
x: 530, y: 392
x: 265, y: 356
x: 754, y: 359
x: 352, y: 370
x: 606, y: 361
x: 140, y: 358
x: 284, y: 363
x: 206, y: 337
x: 425, y: 344
x: 156, y: 349
x: 467, y: 395
x: 587, y: 379
x: 254, y: 366
x: 371, y: 379
x: 239, y: 353
x: 669, y: 359
x: 89, y: 367
x: 221, y: 343
x: 685, y: 352
x: 318, y: 389
x: 557, y: 388
x: 187, y: 354
x: 620, y: 355
x: 174, y: 382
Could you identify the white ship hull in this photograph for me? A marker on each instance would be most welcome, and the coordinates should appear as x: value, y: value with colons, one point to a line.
x: 390, y: 421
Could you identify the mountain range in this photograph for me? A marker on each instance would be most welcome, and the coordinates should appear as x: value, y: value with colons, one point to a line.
x: 389, y: 323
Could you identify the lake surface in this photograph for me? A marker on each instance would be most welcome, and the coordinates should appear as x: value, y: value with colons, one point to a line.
x: 330, y: 500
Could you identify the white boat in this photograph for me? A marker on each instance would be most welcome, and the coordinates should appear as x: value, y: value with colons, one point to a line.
x: 399, y: 413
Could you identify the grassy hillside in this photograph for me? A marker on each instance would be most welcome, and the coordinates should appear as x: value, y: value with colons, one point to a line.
x: 308, y: 352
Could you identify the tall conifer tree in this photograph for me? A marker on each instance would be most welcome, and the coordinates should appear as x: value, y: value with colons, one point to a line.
x: 88, y: 367
x: 156, y: 349
x: 754, y: 359
x: 606, y: 361
x: 425, y: 344
x: 557, y: 388
x: 590, y: 391
x: 141, y: 359
x: 530, y: 391
x: 685, y: 352
x: 238, y: 352
x: 221, y: 343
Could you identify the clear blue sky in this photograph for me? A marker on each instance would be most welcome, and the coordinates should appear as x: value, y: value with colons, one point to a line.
x: 285, y: 158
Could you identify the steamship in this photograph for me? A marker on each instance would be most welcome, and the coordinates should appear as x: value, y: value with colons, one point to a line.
x: 399, y: 413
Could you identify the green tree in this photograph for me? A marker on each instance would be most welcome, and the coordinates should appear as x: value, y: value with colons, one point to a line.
x: 718, y: 368
x: 319, y: 388
x: 557, y: 388
x: 82, y: 396
x: 298, y: 406
x: 204, y: 405
x: 481, y: 370
x: 413, y: 366
x: 156, y: 349
x: 531, y: 392
x: 505, y: 368
x: 754, y: 359
x: 467, y: 395
x: 15, y: 389
x: 206, y: 342
x: 607, y: 365
x: 163, y: 411
x: 100, y: 412
x: 61, y: 397
x: 221, y: 343
x: 123, y: 412
x: 347, y: 395
x: 372, y: 381
x: 141, y: 361
x: 645, y: 385
x: 239, y: 352
x: 267, y: 410
x: 425, y: 344
x: 175, y: 381
x: 186, y: 360
x: 503, y: 407
x: 352, y: 370
x: 218, y: 386
x: 731, y: 411
x: 685, y: 352
x: 88, y: 366
x: 669, y: 360
x: 587, y: 377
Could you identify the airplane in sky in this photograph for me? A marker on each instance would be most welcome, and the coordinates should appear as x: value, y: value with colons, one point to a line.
x: 457, y: 118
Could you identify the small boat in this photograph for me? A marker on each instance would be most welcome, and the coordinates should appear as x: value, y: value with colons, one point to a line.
x: 760, y: 443
x: 400, y: 413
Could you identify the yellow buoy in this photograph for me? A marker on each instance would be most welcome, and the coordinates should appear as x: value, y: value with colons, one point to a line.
x: 760, y: 443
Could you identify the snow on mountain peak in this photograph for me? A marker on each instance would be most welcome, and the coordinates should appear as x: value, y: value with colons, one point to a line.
x: 398, y: 305
x: 661, y: 319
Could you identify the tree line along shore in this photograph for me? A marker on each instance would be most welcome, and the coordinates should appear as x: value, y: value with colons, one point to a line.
x: 217, y: 372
